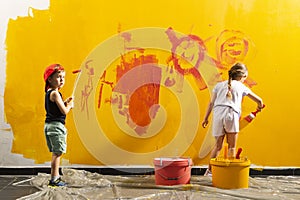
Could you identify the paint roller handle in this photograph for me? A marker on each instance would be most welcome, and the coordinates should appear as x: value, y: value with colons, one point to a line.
x: 69, y: 101
x: 258, y: 109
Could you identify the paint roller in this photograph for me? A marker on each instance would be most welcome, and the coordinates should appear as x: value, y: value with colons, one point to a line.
x: 248, y: 119
x: 76, y: 71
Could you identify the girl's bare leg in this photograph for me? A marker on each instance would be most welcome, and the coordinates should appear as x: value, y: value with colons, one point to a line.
x: 231, y: 140
x: 217, y: 148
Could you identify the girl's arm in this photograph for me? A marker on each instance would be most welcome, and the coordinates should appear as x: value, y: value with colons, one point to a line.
x: 257, y: 99
x: 64, y: 107
x: 209, y: 109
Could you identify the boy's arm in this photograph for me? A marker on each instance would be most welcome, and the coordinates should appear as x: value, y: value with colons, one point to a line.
x: 64, y: 107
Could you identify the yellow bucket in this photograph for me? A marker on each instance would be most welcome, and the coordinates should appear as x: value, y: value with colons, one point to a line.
x: 230, y: 174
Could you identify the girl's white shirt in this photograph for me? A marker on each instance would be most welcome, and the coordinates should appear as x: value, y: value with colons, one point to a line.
x: 238, y: 90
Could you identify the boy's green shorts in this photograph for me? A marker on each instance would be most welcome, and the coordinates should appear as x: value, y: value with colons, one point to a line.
x: 56, y: 137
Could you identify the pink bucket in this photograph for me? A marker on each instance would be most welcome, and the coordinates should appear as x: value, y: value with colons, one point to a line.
x: 172, y: 171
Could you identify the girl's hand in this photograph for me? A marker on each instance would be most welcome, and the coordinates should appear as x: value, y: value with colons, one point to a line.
x: 259, y: 107
x: 204, y: 123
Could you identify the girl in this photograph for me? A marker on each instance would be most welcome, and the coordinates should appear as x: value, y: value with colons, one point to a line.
x: 226, y: 104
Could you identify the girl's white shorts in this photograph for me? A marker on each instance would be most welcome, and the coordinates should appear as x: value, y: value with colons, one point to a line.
x: 225, y: 120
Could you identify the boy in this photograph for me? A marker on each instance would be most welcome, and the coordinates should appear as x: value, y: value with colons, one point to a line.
x: 56, y: 111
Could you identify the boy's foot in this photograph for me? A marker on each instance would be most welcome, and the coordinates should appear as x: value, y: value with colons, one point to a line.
x: 208, y: 173
x: 57, y: 183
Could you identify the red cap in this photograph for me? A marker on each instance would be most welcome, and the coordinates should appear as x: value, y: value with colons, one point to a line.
x: 51, y: 69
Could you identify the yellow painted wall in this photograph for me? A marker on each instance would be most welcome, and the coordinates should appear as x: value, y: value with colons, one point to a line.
x: 92, y: 36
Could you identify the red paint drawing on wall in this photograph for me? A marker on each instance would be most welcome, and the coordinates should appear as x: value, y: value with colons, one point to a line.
x: 233, y: 46
x: 87, y: 88
x: 189, y: 48
x: 103, y: 82
x: 136, y: 105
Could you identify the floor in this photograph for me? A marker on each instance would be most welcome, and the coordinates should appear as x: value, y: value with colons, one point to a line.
x: 88, y: 185
x: 9, y: 191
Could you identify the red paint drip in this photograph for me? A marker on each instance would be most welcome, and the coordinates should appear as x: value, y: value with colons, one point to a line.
x: 238, y: 153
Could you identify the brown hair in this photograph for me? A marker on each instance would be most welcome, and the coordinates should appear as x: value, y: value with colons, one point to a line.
x: 236, y: 72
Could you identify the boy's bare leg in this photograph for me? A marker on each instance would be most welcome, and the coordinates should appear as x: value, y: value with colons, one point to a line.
x: 55, y: 163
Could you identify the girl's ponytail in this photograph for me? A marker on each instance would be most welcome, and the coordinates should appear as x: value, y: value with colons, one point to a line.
x: 229, y: 94
x: 235, y: 73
